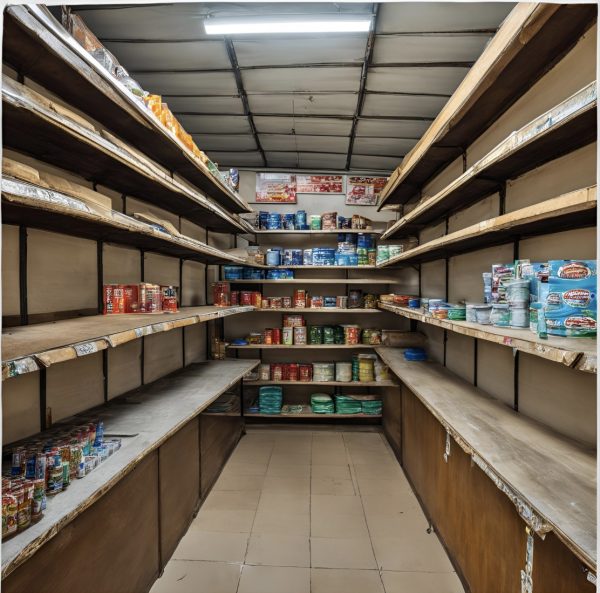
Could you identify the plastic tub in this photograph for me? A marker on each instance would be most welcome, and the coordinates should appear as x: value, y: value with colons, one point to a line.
x: 500, y: 315
x: 517, y: 292
x: 519, y: 316
x: 483, y: 314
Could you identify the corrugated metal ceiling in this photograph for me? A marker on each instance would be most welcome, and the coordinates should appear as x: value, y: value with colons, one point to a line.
x: 345, y: 101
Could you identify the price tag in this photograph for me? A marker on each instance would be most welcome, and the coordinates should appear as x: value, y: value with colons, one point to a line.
x: 21, y: 367
x: 507, y: 340
x: 143, y: 331
x: 85, y: 349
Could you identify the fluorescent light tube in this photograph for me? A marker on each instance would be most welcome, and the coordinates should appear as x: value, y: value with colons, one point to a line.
x: 224, y: 26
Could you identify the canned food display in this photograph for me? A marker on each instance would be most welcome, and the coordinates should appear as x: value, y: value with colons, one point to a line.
x: 300, y: 335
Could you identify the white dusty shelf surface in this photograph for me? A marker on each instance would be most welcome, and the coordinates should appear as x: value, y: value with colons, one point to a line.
x: 159, y: 411
x: 29, y: 347
x: 577, y: 353
x: 299, y: 346
x: 551, y: 479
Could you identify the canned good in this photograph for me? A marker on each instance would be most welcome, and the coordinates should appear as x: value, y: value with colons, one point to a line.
x: 293, y: 320
x: 343, y: 371
x: 169, y: 299
x: 370, y: 301
x: 276, y: 371
x: 293, y: 369
x: 300, y: 297
x: 328, y: 335
x: 355, y: 300
x: 113, y: 299
x: 371, y: 336
x: 245, y: 298
x: 351, y: 334
x: 300, y: 335
x: 234, y: 297
x: 305, y: 372
x: 315, y: 334
x: 266, y: 303
x: 366, y: 367
x: 316, y: 302
x: 276, y: 302
x: 9, y: 514
x: 267, y: 337
x: 287, y: 335
x: 341, y: 302
x: 256, y: 299
x: 276, y: 333
x: 286, y: 302
x: 264, y: 371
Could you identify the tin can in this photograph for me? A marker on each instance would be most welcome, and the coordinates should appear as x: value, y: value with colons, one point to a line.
x: 113, y: 298
x: 316, y: 302
x: 355, y: 300
x: 265, y: 303
x: 221, y: 294
x: 285, y: 371
x: 315, y: 334
x: 293, y: 320
x: 300, y: 335
x: 264, y: 372
x: 341, y: 302
x: 276, y: 371
x: 245, y: 298
x: 18, y: 460
x: 328, y: 335
x: 300, y: 297
x: 293, y: 371
x: 287, y: 335
x: 169, y: 299
x: 39, y: 492
x: 81, y: 470
x: 256, y: 299
x: 343, y: 371
x: 339, y: 335
x: 40, y: 466
x: 234, y: 298
x: 267, y: 336
x: 276, y: 335
x: 351, y: 334
x: 55, y: 480
x: 276, y: 302
x: 286, y: 302
x: 305, y: 372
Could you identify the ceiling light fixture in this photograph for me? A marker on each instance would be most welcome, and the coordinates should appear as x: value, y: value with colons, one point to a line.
x: 237, y: 26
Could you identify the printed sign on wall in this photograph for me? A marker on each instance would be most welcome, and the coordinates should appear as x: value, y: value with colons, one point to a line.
x: 276, y: 187
x: 320, y: 184
x: 364, y: 191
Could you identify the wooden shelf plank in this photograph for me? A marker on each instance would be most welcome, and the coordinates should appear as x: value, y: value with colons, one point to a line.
x: 35, y: 128
x: 27, y: 348
x: 299, y: 346
x: 552, y: 476
x: 530, y: 38
x: 320, y: 232
x: 34, y: 206
x: 317, y: 310
x: 309, y: 414
x: 572, y: 210
x: 362, y: 281
x: 560, y: 130
x: 157, y: 412
x: 358, y: 384
x: 320, y: 267
x: 65, y: 68
x: 576, y: 353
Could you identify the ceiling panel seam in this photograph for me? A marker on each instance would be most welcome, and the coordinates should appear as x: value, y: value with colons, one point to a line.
x: 242, y: 93
x: 363, y: 82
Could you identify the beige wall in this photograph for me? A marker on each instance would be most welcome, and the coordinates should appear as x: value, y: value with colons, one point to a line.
x: 551, y: 393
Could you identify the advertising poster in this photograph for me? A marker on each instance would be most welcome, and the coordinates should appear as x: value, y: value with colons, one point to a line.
x: 320, y: 184
x: 364, y: 191
x: 276, y: 187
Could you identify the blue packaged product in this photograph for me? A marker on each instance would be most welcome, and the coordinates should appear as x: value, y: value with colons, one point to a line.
x: 233, y: 272
x: 353, y: 259
x: 253, y: 274
x: 307, y: 257
x: 263, y: 217
x: 323, y: 256
x: 571, y: 307
x: 273, y: 257
x: 572, y: 269
x: 365, y: 240
x: 344, y: 223
x: 289, y: 221
x: 274, y: 221
x: 301, y: 219
x: 329, y: 301
x: 415, y: 354
x: 280, y: 274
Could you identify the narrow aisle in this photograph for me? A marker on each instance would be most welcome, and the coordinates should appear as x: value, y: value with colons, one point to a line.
x: 301, y: 511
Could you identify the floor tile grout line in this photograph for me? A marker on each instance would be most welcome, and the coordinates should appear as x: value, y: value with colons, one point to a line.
x: 253, y: 521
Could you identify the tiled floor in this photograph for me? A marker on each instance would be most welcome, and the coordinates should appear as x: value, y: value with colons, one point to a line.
x: 301, y: 511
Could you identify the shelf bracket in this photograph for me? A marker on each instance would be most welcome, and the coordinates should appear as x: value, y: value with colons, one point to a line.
x: 527, y: 574
x: 447, y: 449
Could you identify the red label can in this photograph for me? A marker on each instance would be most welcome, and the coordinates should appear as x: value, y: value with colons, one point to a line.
x: 305, y: 372
x: 293, y: 371
x: 276, y: 332
x: 114, y: 300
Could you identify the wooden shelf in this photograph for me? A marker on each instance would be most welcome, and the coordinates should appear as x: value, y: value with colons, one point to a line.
x: 332, y: 383
x: 549, y: 476
x: 309, y: 414
x: 37, y: 129
x: 315, y: 310
x: 158, y: 411
x: 531, y: 38
x: 362, y: 281
x: 320, y: 267
x: 310, y: 232
x: 576, y: 353
x: 34, y: 206
x: 562, y: 129
x: 27, y: 348
x: 300, y: 346
x: 575, y: 209
x: 63, y: 67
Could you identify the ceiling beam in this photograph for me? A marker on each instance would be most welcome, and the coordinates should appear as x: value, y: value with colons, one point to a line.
x: 308, y: 93
x: 368, y: 58
x: 322, y: 65
x: 307, y: 135
x: 242, y: 93
x: 315, y: 116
